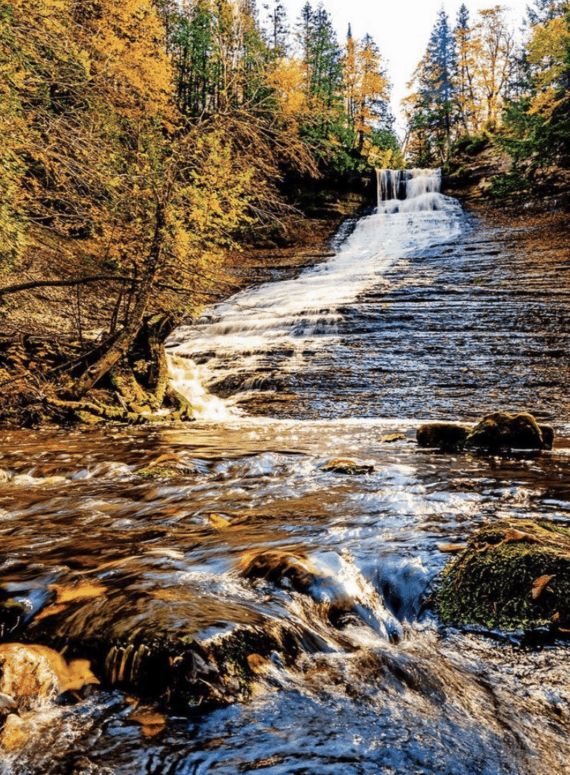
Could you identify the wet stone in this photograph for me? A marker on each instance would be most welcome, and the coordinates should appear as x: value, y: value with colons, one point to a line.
x: 442, y: 435
x: 502, y: 430
x: 512, y: 576
x: 167, y: 466
x: 347, y: 467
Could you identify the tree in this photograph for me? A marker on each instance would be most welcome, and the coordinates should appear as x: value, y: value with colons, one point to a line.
x: 543, y: 11
x: 465, y: 97
x: 278, y: 29
x: 493, y: 53
x: 432, y: 107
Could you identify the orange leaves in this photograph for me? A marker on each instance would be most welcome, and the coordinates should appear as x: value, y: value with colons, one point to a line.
x: 540, y: 585
x: 129, y: 43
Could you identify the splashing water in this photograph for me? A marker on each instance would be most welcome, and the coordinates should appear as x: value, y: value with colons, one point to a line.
x: 350, y: 675
x: 269, y: 328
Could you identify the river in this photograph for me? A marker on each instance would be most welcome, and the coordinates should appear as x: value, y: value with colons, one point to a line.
x: 423, y: 312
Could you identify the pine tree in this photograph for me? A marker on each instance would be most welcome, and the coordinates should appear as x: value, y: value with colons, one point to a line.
x: 278, y: 32
x: 463, y: 77
x: 542, y: 11
x: 433, y: 107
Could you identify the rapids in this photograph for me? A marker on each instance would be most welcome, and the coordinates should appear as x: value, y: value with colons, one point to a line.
x: 423, y: 312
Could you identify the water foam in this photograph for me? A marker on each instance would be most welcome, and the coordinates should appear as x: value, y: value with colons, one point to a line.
x: 277, y: 322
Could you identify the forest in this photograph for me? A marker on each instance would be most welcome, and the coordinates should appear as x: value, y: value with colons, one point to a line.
x: 146, y: 141
x: 284, y: 368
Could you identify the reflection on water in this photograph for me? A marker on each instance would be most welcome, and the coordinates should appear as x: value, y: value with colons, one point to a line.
x: 385, y: 688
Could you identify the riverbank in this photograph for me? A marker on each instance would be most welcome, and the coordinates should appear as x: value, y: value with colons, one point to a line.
x: 47, y: 331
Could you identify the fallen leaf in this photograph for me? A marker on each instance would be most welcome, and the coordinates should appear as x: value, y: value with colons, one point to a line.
x: 257, y: 663
x: 452, y: 548
x: 82, y: 591
x: 539, y: 585
x: 392, y: 437
x: 218, y: 522
x: 514, y: 536
x: 152, y: 723
x: 50, y: 610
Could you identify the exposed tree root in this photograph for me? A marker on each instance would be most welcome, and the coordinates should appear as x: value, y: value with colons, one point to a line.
x: 38, y: 381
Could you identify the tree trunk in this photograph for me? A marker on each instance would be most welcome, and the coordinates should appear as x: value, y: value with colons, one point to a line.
x: 123, y: 342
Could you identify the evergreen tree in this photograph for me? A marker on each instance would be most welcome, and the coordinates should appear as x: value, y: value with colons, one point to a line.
x: 433, y: 107
x: 543, y: 11
x: 278, y: 28
x: 463, y: 75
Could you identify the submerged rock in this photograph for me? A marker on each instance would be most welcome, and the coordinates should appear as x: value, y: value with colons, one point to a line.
x: 163, y: 646
x: 503, y: 430
x: 32, y: 673
x: 512, y: 575
x: 442, y: 435
x: 348, y: 467
x: 296, y: 572
x: 293, y: 571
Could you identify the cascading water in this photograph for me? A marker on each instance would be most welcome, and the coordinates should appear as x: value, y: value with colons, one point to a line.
x: 143, y: 549
x: 409, y: 190
x: 277, y: 328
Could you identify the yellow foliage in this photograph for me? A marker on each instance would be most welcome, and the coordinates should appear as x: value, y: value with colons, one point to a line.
x: 287, y: 78
x: 547, y: 51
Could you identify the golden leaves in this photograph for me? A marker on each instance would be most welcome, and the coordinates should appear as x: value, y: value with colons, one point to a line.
x: 540, y: 585
x: 82, y: 591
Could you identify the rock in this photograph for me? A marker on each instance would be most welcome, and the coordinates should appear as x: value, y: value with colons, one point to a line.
x: 503, y: 430
x: 442, y: 435
x: 165, y: 646
x: 547, y: 435
x: 297, y: 572
x: 348, y: 467
x: 293, y: 571
x: 31, y: 674
x: 512, y: 575
x: 4, y: 476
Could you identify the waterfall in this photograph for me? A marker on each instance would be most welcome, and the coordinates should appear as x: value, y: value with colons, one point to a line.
x: 413, y: 190
x: 264, y: 336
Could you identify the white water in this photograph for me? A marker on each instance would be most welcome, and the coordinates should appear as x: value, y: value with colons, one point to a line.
x: 288, y: 317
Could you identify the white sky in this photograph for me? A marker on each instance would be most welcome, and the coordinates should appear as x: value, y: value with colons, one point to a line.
x: 401, y: 28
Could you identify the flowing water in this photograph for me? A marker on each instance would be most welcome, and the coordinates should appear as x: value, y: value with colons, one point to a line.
x: 421, y: 313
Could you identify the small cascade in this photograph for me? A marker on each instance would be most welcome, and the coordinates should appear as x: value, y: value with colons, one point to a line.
x: 416, y: 190
x: 189, y: 379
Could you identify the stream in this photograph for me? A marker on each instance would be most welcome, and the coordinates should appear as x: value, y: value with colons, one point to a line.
x: 423, y: 312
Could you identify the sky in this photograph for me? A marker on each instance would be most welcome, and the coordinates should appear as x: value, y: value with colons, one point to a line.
x: 401, y: 28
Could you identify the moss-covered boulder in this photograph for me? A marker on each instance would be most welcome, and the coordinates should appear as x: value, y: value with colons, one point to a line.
x: 513, y: 575
x: 442, y: 435
x: 502, y: 430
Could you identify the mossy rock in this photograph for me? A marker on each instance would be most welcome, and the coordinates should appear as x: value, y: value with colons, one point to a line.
x: 503, y: 430
x: 442, y: 435
x: 512, y: 576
